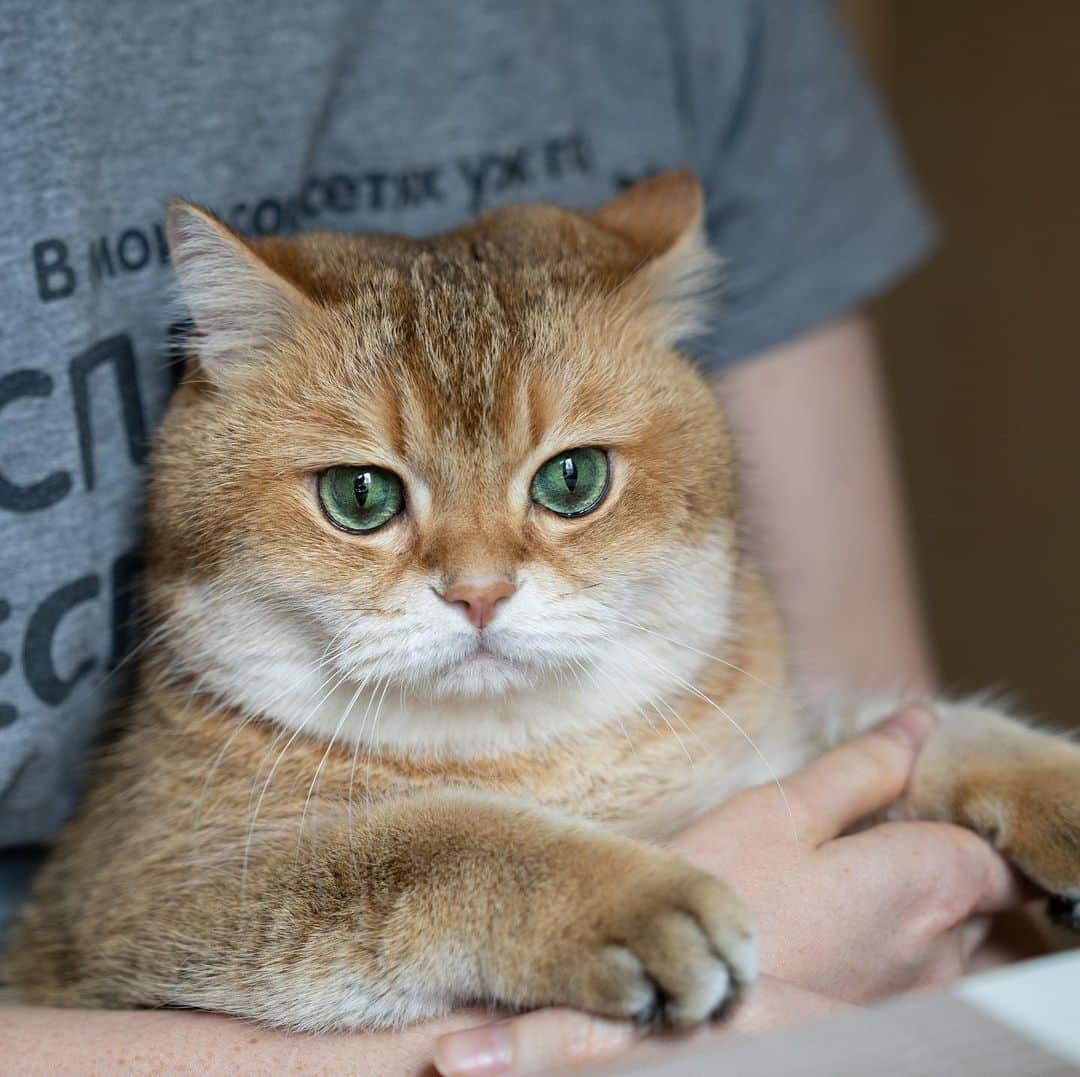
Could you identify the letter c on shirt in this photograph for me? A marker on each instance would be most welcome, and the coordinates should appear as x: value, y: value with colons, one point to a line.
x: 54, y: 487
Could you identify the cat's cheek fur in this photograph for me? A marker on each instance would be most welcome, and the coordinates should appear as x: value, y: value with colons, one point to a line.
x: 563, y: 660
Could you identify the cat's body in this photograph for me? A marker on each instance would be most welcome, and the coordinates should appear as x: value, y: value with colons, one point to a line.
x: 372, y: 774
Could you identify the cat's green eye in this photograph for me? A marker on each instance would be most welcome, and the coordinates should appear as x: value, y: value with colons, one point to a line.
x: 572, y: 483
x: 360, y: 499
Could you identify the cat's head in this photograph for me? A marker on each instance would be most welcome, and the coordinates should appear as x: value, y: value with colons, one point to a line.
x: 457, y: 493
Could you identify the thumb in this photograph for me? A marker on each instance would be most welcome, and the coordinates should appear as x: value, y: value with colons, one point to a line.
x: 861, y: 776
x: 532, y: 1043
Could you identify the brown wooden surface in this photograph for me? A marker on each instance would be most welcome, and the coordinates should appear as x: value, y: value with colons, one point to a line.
x: 982, y: 345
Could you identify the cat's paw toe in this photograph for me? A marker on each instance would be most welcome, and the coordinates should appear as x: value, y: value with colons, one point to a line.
x: 1031, y: 814
x: 678, y: 957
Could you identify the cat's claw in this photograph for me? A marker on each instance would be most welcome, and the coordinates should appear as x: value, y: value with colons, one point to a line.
x: 730, y: 1002
x: 1064, y: 911
x: 654, y: 1013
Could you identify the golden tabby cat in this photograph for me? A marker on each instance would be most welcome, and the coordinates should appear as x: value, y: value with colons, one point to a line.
x: 443, y: 575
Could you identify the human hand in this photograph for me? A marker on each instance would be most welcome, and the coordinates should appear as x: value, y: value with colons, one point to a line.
x: 555, y: 1038
x: 855, y: 917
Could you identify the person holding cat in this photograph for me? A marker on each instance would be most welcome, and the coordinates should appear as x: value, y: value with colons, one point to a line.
x: 359, y: 118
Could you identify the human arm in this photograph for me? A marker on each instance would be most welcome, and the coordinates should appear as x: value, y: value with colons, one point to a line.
x: 70, y: 1043
x: 823, y: 509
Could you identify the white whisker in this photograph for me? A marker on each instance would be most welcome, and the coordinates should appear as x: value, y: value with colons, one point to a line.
x: 692, y: 650
x: 692, y: 688
x: 269, y: 778
x: 322, y: 761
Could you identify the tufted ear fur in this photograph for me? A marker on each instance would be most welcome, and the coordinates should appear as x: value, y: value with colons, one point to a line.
x: 663, y: 218
x: 241, y: 307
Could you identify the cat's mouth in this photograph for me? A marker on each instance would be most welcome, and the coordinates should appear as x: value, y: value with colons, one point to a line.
x: 481, y: 670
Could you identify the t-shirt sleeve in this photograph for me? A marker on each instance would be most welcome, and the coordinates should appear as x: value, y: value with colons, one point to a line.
x: 808, y: 200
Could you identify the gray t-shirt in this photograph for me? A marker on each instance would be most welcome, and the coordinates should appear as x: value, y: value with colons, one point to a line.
x: 355, y: 115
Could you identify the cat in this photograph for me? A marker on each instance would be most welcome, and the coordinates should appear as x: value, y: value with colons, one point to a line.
x: 445, y: 587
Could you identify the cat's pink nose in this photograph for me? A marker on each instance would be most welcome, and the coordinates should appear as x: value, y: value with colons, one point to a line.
x: 479, y: 597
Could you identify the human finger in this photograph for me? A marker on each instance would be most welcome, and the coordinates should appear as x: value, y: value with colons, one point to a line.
x: 860, y: 776
x: 532, y: 1043
x: 953, y: 866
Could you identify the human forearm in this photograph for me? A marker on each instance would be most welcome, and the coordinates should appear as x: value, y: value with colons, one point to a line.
x: 75, y: 1042
x: 823, y: 508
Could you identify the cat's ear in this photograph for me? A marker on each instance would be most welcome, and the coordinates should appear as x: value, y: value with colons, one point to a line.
x: 241, y: 306
x: 677, y: 274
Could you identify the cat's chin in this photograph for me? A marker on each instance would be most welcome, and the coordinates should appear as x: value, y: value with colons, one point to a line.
x: 477, y: 675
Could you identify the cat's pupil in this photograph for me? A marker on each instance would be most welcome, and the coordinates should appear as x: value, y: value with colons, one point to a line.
x: 569, y: 473
x: 361, y: 486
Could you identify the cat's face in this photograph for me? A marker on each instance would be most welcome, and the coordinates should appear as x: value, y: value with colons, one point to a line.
x: 457, y: 494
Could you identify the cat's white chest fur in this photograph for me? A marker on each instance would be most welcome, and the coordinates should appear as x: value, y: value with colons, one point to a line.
x: 656, y: 789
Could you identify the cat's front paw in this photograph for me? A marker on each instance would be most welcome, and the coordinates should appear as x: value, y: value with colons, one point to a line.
x: 1031, y: 814
x: 667, y: 946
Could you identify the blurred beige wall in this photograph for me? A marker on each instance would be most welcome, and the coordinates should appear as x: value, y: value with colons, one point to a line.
x: 982, y: 345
